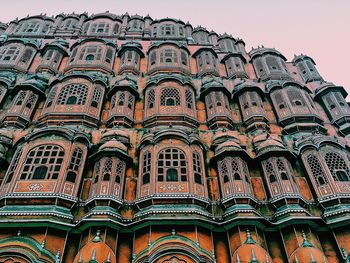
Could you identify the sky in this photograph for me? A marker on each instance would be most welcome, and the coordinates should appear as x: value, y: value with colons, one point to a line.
x: 318, y: 28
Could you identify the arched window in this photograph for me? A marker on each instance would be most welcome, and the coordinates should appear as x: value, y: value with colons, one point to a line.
x: 74, y: 165
x: 100, y: 28
x: 90, y: 53
x: 146, y: 168
x: 20, y: 98
x: 272, y: 63
x: 9, y: 53
x: 151, y: 99
x: 168, y: 56
x: 197, y: 168
x: 107, y: 169
x: 27, y: 55
x: 337, y: 166
x: 121, y: 98
x: 96, y: 97
x: 189, y: 99
x: 172, y: 165
x: 43, y: 162
x: 167, y: 30
x: 73, y: 94
x: 13, y: 165
x: 170, y: 97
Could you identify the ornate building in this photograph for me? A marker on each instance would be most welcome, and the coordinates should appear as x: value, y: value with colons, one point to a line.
x: 127, y: 139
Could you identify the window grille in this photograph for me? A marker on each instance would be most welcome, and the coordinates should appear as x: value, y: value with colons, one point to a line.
x: 172, y: 165
x: 146, y: 168
x: 74, y: 94
x: 316, y: 169
x: 337, y: 166
x: 43, y: 162
x: 170, y: 97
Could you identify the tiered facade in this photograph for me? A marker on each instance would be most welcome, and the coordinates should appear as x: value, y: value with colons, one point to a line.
x: 127, y: 139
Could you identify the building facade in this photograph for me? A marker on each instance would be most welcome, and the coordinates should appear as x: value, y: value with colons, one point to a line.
x: 127, y: 139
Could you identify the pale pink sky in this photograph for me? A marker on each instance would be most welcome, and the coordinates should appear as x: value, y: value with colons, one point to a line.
x: 318, y: 28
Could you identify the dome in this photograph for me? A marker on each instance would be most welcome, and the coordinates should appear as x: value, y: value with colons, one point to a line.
x: 112, y: 145
x: 265, y: 143
x: 95, y: 251
x: 250, y: 252
x: 115, y: 133
x: 307, y: 253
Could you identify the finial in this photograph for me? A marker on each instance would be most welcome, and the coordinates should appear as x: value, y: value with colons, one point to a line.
x: 19, y: 232
x: 93, y: 256
x: 313, y: 259
x: 306, y: 242
x: 97, y: 237
x: 238, y: 260
x: 249, y: 239
x: 173, y: 232
x: 58, y: 256
x: 43, y: 243
x: 253, y: 256
x: 108, y: 260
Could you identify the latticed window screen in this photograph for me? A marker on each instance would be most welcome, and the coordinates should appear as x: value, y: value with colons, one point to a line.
x: 170, y: 97
x: 189, y: 99
x: 9, y: 53
x: 13, y: 165
x: 68, y: 23
x: 121, y: 98
x: 259, y: 67
x: 27, y: 55
x: 279, y: 99
x: 96, y: 97
x: 51, y: 97
x: 107, y: 169
x: 2, y: 92
x: 20, y: 98
x: 197, y: 168
x: 316, y: 169
x: 131, y: 101
x: 153, y: 58
x: 74, y: 165
x: 168, y: 56
x: 109, y: 55
x: 116, y: 29
x: 119, y: 171
x: 100, y: 28
x: 172, y: 165
x: 337, y: 166
x: 31, y: 101
x: 184, y: 58
x: 146, y: 168
x: 73, y: 94
x: 91, y: 53
x: 227, y: 45
x: 43, y: 162
x: 151, y: 99
x: 272, y: 63
x: 295, y: 96
x: 277, y: 168
x: 233, y: 168
x: 167, y: 30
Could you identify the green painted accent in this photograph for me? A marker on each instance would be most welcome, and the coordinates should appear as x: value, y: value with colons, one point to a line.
x: 30, y: 242
x: 169, y: 239
x: 306, y: 242
x: 249, y: 239
x: 36, y: 210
